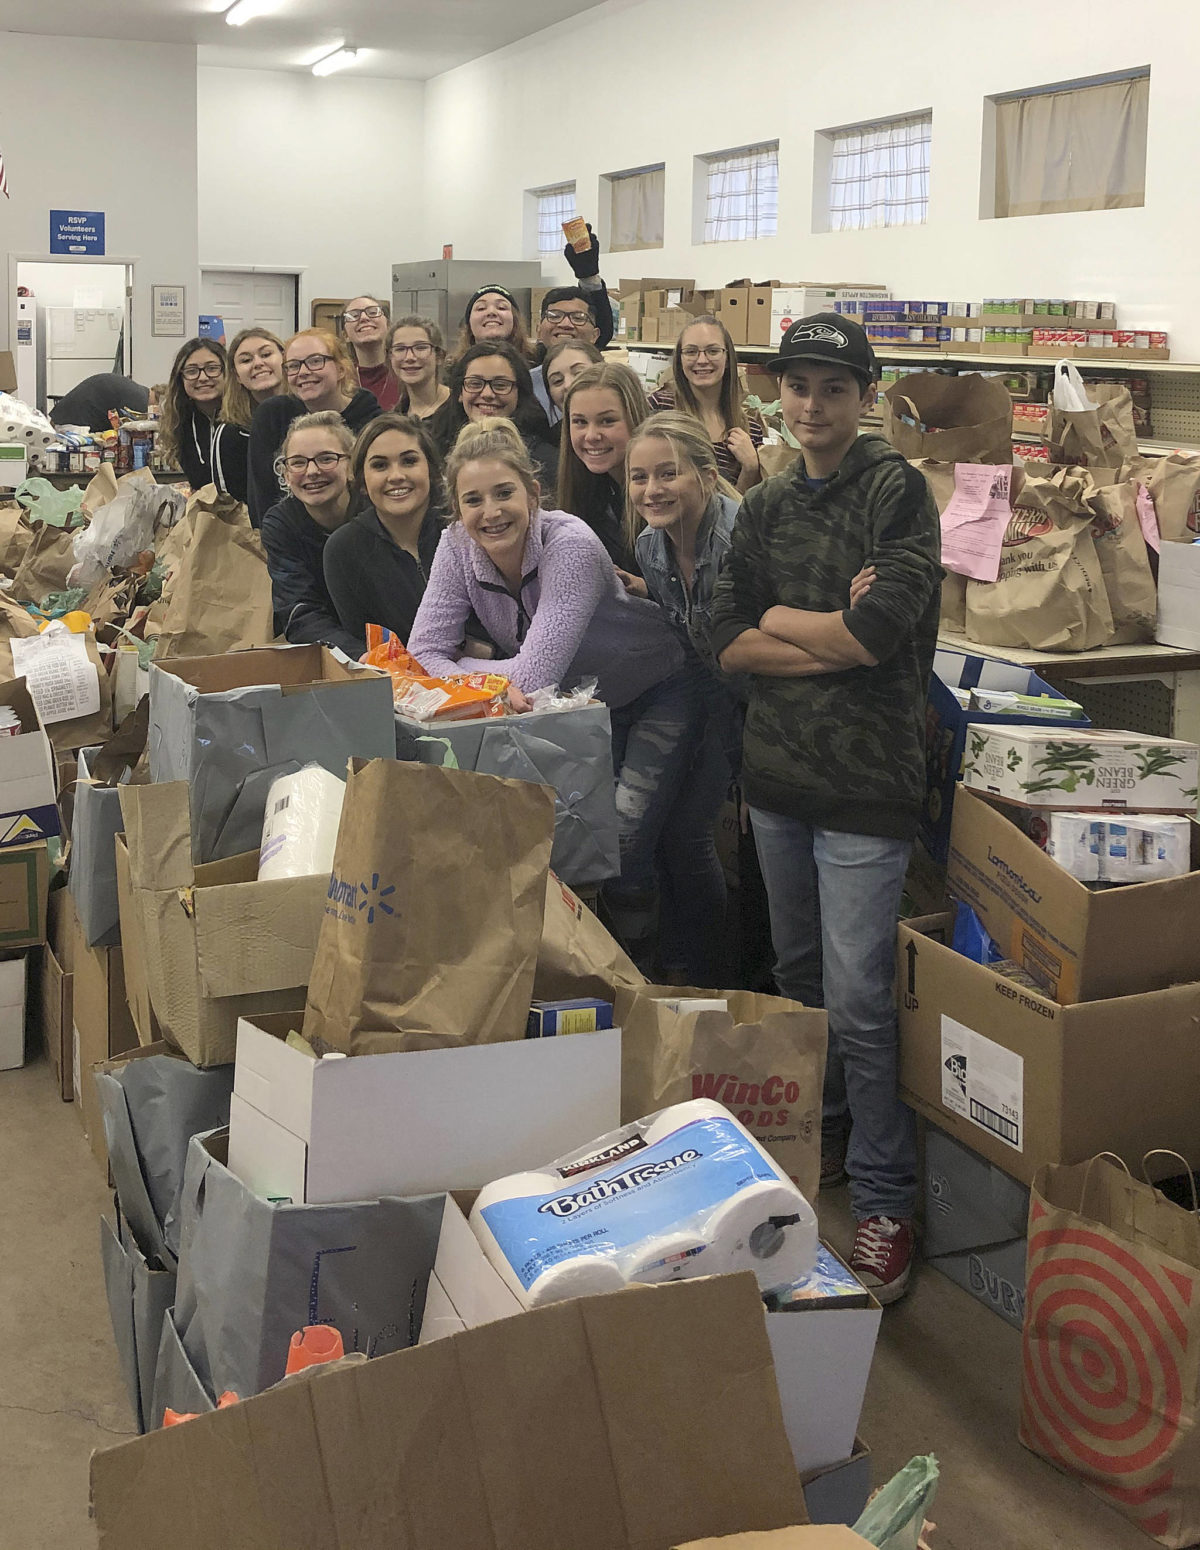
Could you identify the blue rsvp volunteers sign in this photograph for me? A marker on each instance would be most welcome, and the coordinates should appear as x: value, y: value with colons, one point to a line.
x: 77, y: 231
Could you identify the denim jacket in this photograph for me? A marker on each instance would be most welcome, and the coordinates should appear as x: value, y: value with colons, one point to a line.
x: 691, y: 615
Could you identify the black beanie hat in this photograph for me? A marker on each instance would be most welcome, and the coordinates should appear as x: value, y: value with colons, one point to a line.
x: 489, y: 290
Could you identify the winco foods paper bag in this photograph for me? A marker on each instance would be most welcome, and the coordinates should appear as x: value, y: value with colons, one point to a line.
x: 220, y: 592
x: 1050, y: 594
x: 1124, y: 563
x: 434, y: 912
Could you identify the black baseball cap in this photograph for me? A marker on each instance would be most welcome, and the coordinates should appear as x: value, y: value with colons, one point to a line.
x: 832, y: 340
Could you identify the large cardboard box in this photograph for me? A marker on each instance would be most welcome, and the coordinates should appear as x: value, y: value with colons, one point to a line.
x: 733, y: 310
x: 412, y: 1123
x: 13, y: 974
x: 229, y: 724
x: 758, y: 314
x: 665, y: 1397
x: 24, y: 885
x: 101, y: 1028
x: 1055, y: 766
x: 1024, y: 1081
x: 213, y: 942
x: 975, y: 1225
x: 1179, y: 596
x: 822, y: 1356
x: 1078, y: 943
x: 56, y: 999
x: 28, y: 802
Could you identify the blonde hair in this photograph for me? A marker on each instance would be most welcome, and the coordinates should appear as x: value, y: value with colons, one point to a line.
x: 322, y: 420
x: 237, y: 407
x: 346, y: 369
x: 494, y: 437
x: 692, y: 447
x: 584, y: 494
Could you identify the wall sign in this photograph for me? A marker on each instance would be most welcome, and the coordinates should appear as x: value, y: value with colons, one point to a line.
x: 77, y: 231
x: 167, y: 311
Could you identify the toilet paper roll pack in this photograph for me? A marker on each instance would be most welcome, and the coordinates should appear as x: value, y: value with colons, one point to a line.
x: 685, y: 1192
x: 300, y: 826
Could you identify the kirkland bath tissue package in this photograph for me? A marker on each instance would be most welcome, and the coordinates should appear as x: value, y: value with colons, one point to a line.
x: 685, y: 1192
x: 300, y: 825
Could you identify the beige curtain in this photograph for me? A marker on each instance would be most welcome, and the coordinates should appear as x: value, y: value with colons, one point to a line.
x: 742, y: 195
x: 637, y: 211
x: 1079, y: 149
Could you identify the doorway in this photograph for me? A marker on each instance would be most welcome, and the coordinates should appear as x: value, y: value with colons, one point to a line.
x: 242, y: 298
x: 72, y: 322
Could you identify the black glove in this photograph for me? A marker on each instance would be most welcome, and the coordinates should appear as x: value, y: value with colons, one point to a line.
x: 586, y: 265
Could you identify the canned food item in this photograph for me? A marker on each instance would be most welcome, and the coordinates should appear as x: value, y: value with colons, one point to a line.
x: 1158, y: 340
x: 76, y: 463
x: 1108, y: 311
x: 1141, y: 339
x: 1058, y: 307
x: 1123, y: 338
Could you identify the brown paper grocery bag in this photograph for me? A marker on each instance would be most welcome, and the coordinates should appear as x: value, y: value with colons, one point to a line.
x: 1174, y: 485
x: 577, y: 955
x: 16, y: 535
x: 434, y: 912
x: 1124, y: 563
x: 46, y: 563
x: 964, y: 419
x: 1103, y: 437
x: 1110, y: 1368
x: 220, y: 594
x: 1050, y: 593
x: 764, y: 1059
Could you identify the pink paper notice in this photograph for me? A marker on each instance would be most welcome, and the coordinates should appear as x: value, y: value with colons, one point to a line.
x: 975, y: 519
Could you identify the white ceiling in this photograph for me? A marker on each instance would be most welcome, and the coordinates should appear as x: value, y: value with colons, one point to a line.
x: 408, y: 39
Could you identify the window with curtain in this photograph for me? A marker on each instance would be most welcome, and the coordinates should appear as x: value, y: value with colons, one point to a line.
x: 636, y: 201
x: 879, y: 173
x: 742, y: 194
x: 1078, y: 147
x: 554, y: 206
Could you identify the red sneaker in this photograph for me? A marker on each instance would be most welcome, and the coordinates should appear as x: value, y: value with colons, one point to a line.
x: 882, y: 1256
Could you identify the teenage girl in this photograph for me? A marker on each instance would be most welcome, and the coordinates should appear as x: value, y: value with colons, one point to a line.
x: 601, y: 410
x: 416, y: 353
x: 561, y: 364
x: 365, y: 322
x: 492, y: 379
x: 188, y: 417
x: 704, y: 383
x: 255, y: 374
x: 492, y: 314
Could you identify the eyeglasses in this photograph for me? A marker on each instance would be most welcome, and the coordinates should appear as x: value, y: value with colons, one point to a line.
x: 323, y: 460
x: 309, y: 363
x: 712, y: 352
x: 500, y: 387
x: 576, y: 319
x: 418, y: 350
x: 356, y: 313
x: 194, y: 373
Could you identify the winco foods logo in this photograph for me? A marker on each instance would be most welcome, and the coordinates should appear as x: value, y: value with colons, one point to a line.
x: 1024, y: 525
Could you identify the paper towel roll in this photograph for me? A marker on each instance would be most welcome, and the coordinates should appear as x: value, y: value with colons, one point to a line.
x: 300, y: 825
x: 671, y: 1256
x: 768, y: 1228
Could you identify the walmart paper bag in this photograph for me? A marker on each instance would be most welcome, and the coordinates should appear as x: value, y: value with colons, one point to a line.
x: 220, y: 597
x: 434, y: 912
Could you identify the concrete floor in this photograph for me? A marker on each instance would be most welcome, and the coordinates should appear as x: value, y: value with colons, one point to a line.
x: 944, y: 1381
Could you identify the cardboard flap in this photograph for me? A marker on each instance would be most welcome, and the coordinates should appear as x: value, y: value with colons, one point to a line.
x: 158, y: 834
x: 123, y: 750
x: 253, y: 937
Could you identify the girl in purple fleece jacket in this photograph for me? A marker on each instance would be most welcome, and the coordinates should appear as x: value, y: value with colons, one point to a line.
x: 546, y: 591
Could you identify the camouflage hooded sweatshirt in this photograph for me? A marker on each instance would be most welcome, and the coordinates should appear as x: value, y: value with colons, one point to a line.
x: 842, y: 750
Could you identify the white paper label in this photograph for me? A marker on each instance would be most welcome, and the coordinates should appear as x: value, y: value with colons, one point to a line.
x: 983, y: 1082
x: 63, y: 684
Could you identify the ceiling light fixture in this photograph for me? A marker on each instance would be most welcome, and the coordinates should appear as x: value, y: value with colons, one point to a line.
x: 338, y: 60
x: 243, y: 11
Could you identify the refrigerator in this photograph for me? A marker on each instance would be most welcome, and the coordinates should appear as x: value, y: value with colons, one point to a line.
x: 74, y: 343
x: 441, y: 288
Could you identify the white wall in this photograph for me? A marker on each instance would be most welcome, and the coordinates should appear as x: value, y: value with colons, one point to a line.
x: 91, y: 124
x: 322, y: 175
x: 786, y: 68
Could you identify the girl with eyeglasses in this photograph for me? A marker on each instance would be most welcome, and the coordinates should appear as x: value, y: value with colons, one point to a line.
x: 255, y: 374
x: 416, y: 353
x: 491, y: 380
x: 493, y: 316
x: 704, y: 383
x: 365, y: 322
x: 314, y: 463
x: 188, y: 420
x: 318, y: 375
x: 602, y: 408
x: 545, y: 590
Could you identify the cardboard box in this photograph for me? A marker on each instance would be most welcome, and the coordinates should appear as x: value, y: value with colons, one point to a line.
x: 137, y: 983
x: 1053, y: 766
x: 56, y: 998
x: 1079, y: 944
x: 93, y: 875
x: 812, y: 1537
x: 733, y: 310
x: 8, y: 372
x: 13, y: 973
x: 975, y: 1224
x: 838, y: 1493
x: 412, y: 1123
x: 24, y: 885
x: 28, y: 796
x: 666, y: 1395
x: 758, y: 314
x: 101, y: 1028
x: 1024, y: 1081
x: 229, y: 724
x: 822, y: 1356
x: 946, y: 724
x: 1179, y: 595
x: 214, y: 943
x: 789, y: 302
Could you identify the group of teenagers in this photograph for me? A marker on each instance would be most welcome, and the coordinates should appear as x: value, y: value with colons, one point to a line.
x: 523, y: 502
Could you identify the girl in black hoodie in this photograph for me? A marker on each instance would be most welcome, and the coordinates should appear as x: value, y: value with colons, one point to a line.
x: 188, y: 429
x: 320, y: 375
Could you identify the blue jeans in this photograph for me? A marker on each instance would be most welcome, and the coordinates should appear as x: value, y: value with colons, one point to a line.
x: 693, y: 945
x: 834, y: 901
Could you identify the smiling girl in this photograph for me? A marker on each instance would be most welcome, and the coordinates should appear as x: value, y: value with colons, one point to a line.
x: 562, y: 363
x: 319, y: 375
x: 365, y: 321
x: 188, y: 423
x: 493, y: 315
x: 602, y: 408
x: 493, y: 379
x: 416, y: 353
x: 377, y: 565
x: 314, y: 463
x: 544, y: 588
x: 703, y: 382
x: 255, y: 374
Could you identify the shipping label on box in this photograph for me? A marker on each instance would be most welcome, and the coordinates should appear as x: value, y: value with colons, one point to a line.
x: 1057, y: 767
x: 983, y: 1082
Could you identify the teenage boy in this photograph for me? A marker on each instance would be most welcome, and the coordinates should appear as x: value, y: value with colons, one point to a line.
x: 829, y: 600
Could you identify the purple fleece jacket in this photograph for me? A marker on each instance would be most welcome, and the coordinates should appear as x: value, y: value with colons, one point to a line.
x: 576, y: 618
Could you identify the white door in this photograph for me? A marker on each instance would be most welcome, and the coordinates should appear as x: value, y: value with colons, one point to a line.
x: 244, y: 298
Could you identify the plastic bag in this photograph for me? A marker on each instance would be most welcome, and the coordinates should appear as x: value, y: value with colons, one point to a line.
x: 54, y: 508
x: 118, y: 533
x: 1070, y: 394
x: 554, y: 698
x: 895, y: 1516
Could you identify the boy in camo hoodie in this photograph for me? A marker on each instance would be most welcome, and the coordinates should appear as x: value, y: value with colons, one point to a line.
x: 829, y: 600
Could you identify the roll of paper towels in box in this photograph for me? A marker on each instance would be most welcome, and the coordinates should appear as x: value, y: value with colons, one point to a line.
x: 686, y: 1192
x: 300, y: 826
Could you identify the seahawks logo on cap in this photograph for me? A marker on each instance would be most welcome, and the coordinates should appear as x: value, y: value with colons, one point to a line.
x: 825, y: 333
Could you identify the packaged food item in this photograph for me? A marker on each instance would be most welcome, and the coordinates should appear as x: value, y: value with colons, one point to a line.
x: 1003, y: 702
x: 585, y: 1014
x: 576, y: 233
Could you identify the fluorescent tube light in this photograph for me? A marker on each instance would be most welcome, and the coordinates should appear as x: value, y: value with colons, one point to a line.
x: 338, y: 60
x: 243, y: 11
